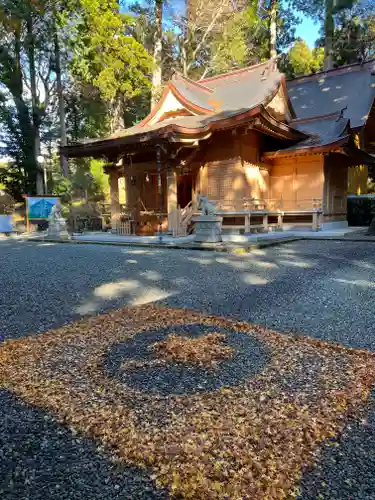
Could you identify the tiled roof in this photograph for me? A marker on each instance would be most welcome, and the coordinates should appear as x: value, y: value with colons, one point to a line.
x: 345, y: 95
x: 323, y: 131
x: 193, y: 92
x: 333, y: 125
x: 351, y: 87
x: 243, y: 91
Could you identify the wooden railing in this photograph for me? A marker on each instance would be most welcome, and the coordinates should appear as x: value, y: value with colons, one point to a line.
x: 125, y: 225
x: 251, y: 209
x: 125, y: 228
x: 260, y: 205
x: 250, y: 214
x: 179, y: 220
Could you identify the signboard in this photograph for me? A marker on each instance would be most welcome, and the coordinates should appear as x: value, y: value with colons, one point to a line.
x: 40, y: 207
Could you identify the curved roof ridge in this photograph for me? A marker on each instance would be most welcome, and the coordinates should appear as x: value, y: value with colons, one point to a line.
x: 192, y: 82
x: 235, y: 72
x: 326, y: 116
x: 332, y: 71
x: 187, y: 100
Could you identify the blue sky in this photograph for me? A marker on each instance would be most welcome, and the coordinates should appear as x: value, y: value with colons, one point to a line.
x: 308, y: 30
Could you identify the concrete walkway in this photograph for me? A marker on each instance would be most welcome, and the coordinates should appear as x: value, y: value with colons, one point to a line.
x: 227, y: 238
x: 231, y: 242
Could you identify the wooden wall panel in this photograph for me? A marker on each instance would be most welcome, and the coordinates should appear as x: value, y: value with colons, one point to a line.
x: 230, y: 170
x: 296, y: 181
x: 336, y: 186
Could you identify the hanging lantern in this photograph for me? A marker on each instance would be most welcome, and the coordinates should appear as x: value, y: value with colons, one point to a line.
x: 147, y: 178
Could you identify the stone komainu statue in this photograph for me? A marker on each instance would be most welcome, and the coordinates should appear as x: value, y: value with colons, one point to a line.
x: 56, y: 214
x: 57, y: 224
x: 205, y: 206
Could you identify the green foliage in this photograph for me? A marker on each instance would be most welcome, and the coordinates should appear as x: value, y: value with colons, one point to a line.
x: 354, y: 36
x: 87, y: 182
x: 106, y: 56
x: 317, y: 8
x: 24, y: 53
x: 100, y: 179
x: 241, y: 41
x: 105, y: 78
x: 325, y: 10
x: 7, y: 203
x: 62, y: 187
x: 301, y: 60
x: 13, y: 180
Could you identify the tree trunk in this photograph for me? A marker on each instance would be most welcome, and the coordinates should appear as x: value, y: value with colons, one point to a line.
x: 184, y: 62
x: 329, y: 26
x: 60, y: 94
x: 273, y: 29
x: 25, y: 122
x: 34, y: 105
x: 158, y: 49
x: 117, y: 114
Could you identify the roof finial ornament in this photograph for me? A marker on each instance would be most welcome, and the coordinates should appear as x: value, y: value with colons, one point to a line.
x: 342, y: 113
x: 264, y: 74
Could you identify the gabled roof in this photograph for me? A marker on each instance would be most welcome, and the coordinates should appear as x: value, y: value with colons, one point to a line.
x: 241, y: 89
x: 243, y: 98
x: 351, y: 87
x: 190, y: 111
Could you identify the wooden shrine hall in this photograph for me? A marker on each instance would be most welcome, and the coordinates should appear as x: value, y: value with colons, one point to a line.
x: 271, y: 153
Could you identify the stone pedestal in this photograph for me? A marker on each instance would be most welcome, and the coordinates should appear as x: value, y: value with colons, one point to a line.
x: 57, y: 230
x: 208, y: 229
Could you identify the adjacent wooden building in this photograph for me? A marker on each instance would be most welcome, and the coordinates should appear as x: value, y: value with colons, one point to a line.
x: 269, y: 152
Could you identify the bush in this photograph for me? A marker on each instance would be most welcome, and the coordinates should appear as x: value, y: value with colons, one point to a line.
x: 361, y: 209
x: 85, y: 217
x: 6, y: 203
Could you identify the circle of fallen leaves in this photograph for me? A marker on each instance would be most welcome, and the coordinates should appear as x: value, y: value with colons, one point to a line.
x: 186, y: 359
x: 251, y: 441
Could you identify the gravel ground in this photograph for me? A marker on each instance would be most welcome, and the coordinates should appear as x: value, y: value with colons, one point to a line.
x: 323, y: 289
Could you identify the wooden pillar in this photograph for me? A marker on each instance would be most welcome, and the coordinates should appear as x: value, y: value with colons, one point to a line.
x: 115, y: 203
x: 171, y: 197
x: 194, y: 191
x: 160, y: 191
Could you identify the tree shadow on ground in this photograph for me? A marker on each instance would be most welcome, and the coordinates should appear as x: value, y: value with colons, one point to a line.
x: 41, y: 460
x: 295, y: 287
x: 346, y: 467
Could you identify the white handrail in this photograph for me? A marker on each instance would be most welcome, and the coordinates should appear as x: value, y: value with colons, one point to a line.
x: 181, y: 218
